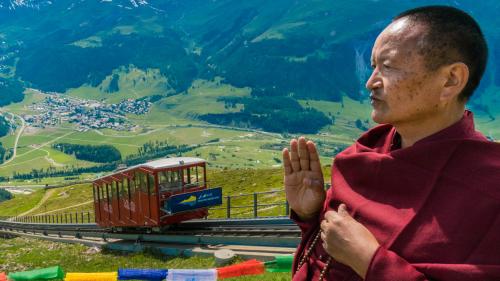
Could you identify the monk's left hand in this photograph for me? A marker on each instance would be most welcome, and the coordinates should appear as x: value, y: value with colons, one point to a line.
x: 348, y: 241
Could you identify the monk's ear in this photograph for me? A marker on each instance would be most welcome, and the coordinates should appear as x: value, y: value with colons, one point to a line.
x: 455, y: 76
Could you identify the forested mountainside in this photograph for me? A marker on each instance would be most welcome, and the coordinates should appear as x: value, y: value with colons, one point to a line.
x: 301, y: 49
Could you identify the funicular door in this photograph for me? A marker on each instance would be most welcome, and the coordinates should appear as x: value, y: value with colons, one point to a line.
x: 106, y: 205
x: 114, y: 203
x: 193, y: 199
x: 153, y: 198
x: 97, y: 207
x: 126, y: 202
x: 120, y: 203
x: 138, y: 198
x: 192, y: 183
x: 135, y: 203
x: 169, y: 183
x: 149, y: 200
x: 144, y: 197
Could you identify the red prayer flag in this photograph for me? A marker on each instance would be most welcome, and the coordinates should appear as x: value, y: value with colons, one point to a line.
x: 250, y: 267
x: 3, y: 277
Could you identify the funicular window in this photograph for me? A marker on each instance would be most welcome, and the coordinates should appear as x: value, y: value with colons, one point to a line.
x: 132, y: 186
x: 201, y: 175
x: 144, y: 183
x: 113, y: 190
x: 138, y: 182
x: 191, y: 177
x: 117, y: 183
x: 187, y: 176
x: 117, y: 189
x: 141, y: 181
x: 123, y: 189
x: 118, y: 192
x: 175, y: 179
x: 126, y: 188
x: 151, y: 182
x: 107, y: 193
x: 94, y: 192
x: 197, y: 176
x: 163, y: 180
x: 101, y: 190
x: 169, y: 180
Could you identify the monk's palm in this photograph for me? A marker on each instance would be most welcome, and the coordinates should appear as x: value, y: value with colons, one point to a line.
x: 305, y: 199
x: 303, y: 178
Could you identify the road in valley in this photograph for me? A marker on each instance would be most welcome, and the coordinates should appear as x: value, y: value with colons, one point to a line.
x: 23, y: 125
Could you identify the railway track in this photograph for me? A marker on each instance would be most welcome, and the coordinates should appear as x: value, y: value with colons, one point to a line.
x: 252, y: 238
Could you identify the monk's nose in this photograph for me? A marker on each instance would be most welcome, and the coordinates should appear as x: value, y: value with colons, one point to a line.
x: 374, y: 81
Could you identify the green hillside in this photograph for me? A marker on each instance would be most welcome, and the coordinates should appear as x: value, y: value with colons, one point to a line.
x: 234, y: 182
x: 21, y: 203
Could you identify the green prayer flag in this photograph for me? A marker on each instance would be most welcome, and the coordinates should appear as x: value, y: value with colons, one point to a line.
x: 280, y: 264
x: 50, y: 273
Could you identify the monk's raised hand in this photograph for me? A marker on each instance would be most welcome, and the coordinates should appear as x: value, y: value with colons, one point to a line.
x: 304, y: 184
x: 348, y: 241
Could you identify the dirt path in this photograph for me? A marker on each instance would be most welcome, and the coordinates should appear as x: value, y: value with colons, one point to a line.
x: 50, y: 160
x: 40, y: 204
x: 65, y: 208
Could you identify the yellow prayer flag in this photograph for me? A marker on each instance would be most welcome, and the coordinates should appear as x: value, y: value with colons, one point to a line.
x: 103, y: 276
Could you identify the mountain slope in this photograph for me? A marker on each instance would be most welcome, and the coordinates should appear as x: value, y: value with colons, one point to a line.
x: 304, y: 49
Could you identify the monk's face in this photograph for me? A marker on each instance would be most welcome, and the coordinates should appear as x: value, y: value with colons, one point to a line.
x: 402, y: 89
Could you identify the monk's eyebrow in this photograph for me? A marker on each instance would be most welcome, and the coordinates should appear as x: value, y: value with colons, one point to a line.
x: 380, y: 57
x: 389, y: 54
x: 386, y: 53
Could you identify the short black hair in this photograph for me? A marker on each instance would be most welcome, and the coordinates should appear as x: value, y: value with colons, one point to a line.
x: 452, y: 36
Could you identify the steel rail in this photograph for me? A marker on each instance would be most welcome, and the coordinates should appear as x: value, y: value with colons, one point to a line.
x: 271, y: 232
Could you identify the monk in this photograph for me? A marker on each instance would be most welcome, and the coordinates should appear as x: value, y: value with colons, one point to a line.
x: 418, y: 196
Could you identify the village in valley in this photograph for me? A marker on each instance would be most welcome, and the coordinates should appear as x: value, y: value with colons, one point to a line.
x: 85, y: 114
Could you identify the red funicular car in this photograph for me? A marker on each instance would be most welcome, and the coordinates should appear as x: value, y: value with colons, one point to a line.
x: 154, y: 194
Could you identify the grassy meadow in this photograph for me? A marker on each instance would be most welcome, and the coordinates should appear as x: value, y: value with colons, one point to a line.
x: 67, y: 199
x: 20, y: 254
x: 132, y: 83
x: 21, y: 203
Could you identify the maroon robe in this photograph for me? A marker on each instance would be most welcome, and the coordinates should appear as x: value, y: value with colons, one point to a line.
x: 434, y: 207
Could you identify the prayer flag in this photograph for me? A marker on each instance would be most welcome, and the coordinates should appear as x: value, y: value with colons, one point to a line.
x: 3, y: 277
x: 142, y: 274
x: 250, y: 267
x: 192, y: 275
x: 49, y: 273
x: 103, y: 276
x: 280, y: 264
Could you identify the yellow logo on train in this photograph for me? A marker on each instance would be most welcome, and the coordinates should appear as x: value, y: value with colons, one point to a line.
x: 191, y: 199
